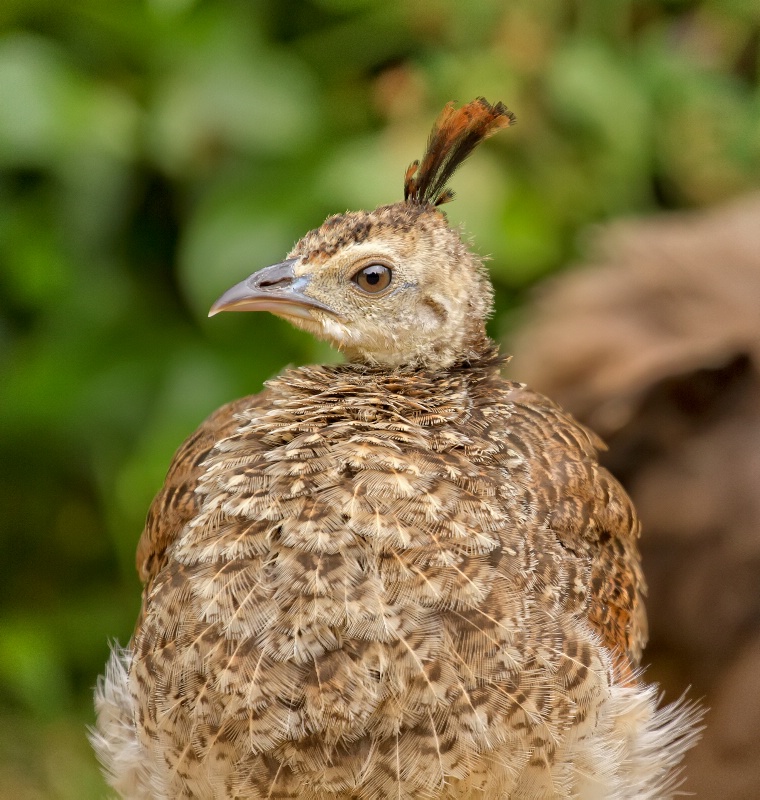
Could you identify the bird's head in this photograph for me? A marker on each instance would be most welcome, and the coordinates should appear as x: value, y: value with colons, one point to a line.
x: 395, y: 286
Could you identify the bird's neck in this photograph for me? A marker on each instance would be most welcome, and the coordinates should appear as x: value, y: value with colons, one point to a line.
x: 332, y: 382
x: 472, y: 345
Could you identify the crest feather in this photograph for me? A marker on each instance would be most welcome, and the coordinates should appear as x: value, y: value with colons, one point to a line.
x: 455, y: 135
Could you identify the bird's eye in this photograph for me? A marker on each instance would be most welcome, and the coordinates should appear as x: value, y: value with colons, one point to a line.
x: 373, y: 278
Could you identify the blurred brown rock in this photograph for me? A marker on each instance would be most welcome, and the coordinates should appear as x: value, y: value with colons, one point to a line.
x: 656, y: 345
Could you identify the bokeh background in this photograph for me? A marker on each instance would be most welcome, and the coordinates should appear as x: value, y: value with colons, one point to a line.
x: 153, y: 152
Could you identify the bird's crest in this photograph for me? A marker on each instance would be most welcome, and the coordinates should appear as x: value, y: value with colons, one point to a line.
x: 455, y: 135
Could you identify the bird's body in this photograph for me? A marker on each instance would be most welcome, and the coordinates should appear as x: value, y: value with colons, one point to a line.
x: 395, y: 578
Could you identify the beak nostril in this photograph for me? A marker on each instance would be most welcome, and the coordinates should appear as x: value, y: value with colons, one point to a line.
x: 269, y: 282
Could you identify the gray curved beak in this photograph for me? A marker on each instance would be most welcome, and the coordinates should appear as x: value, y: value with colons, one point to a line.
x: 276, y: 289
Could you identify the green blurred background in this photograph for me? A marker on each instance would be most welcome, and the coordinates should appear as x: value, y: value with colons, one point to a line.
x: 153, y: 153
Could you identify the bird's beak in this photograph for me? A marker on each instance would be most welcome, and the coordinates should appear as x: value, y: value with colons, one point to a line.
x: 276, y: 289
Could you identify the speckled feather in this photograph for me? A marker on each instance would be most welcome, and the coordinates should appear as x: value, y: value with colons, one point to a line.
x: 375, y: 582
x: 382, y: 586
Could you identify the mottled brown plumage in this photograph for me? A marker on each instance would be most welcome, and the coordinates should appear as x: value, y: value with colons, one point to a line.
x: 400, y: 577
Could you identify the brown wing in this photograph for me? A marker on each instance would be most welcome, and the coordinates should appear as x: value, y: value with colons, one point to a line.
x: 592, y: 517
x: 176, y: 503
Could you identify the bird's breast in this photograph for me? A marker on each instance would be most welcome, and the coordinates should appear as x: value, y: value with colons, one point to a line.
x: 361, y: 583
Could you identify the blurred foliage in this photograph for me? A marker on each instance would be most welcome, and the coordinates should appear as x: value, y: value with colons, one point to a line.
x: 152, y: 153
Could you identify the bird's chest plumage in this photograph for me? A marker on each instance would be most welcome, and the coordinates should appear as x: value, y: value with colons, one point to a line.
x: 367, y: 597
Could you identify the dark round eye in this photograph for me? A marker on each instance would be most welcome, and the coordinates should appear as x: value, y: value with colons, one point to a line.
x: 373, y: 278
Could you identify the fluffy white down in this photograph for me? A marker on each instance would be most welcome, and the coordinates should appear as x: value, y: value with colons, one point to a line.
x: 636, y: 748
x: 632, y: 753
x: 114, y: 739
